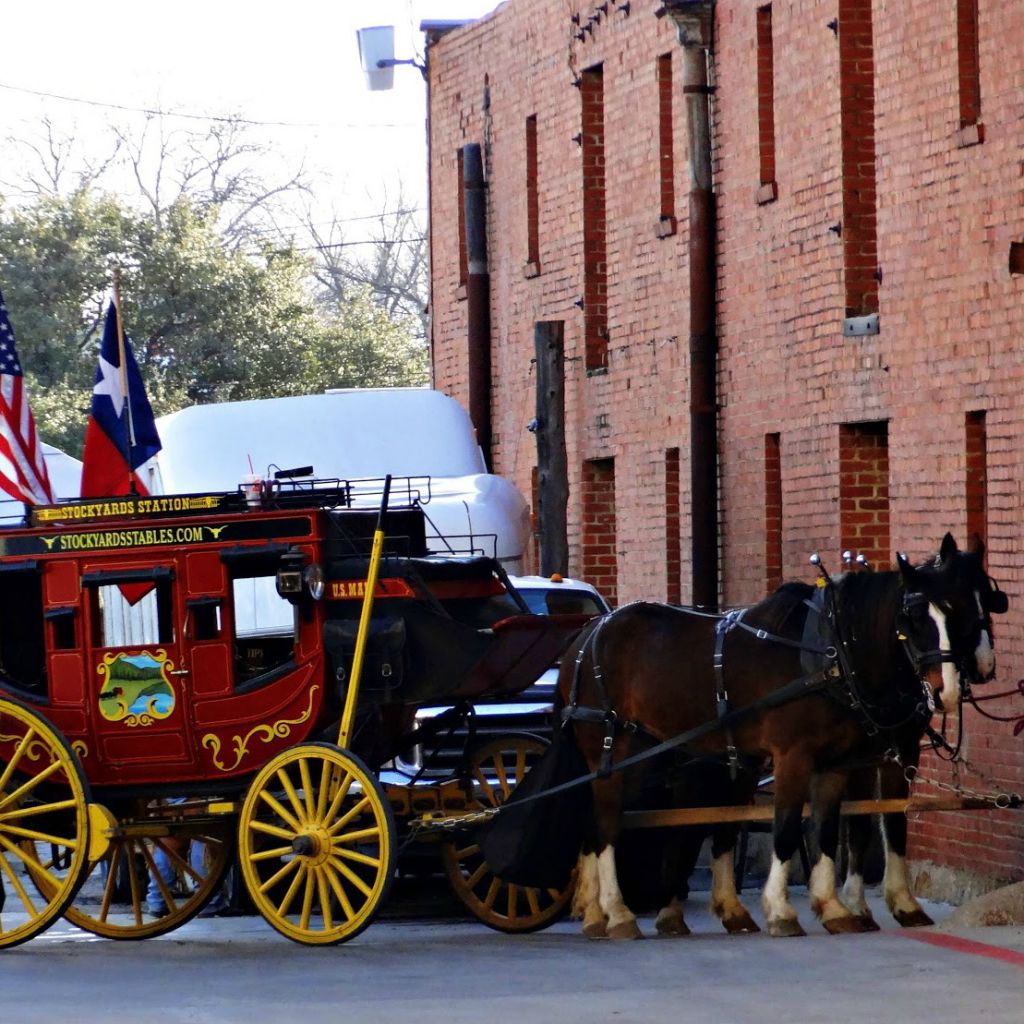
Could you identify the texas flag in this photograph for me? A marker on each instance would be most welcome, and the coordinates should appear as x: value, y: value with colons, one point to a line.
x: 121, y: 434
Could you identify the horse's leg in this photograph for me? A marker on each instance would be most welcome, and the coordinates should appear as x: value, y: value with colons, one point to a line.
x: 827, y: 792
x: 792, y: 777
x: 859, y: 828
x: 725, y: 902
x: 682, y: 846
x: 608, y: 798
x: 586, y: 902
x: 901, y: 902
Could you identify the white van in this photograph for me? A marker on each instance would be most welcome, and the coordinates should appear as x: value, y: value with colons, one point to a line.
x: 355, y: 434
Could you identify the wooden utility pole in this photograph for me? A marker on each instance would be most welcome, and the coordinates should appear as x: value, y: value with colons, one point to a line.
x: 552, y: 462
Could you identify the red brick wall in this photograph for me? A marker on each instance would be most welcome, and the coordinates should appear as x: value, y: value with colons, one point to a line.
x: 673, y: 547
x: 772, y: 512
x: 600, y: 564
x: 951, y: 314
x: 864, y: 491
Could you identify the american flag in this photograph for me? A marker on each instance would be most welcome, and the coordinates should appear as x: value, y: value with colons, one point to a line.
x: 22, y: 468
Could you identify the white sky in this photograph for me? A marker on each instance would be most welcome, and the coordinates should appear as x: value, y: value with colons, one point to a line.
x: 291, y: 61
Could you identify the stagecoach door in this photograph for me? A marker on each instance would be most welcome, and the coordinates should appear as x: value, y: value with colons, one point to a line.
x: 137, y: 684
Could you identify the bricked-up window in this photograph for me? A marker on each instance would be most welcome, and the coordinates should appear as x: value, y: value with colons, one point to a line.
x: 968, y: 61
x: 600, y: 563
x: 766, y: 103
x: 532, y: 202
x: 857, y: 111
x: 976, y: 444
x: 463, y: 251
x: 673, y: 543
x: 666, y: 150
x: 864, y: 491
x: 772, y: 511
x: 595, y: 272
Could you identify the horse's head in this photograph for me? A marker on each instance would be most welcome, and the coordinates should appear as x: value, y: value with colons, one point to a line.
x: 946, y: 619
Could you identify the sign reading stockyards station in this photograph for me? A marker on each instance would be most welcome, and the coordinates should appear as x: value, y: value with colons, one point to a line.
x: 71, y: 540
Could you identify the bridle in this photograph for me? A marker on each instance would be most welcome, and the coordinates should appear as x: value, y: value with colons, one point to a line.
x: 921, y: 660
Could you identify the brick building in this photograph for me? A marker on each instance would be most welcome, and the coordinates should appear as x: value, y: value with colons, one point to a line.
x: 867, y: 275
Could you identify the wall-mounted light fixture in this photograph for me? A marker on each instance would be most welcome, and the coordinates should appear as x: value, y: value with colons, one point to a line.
x: 377, y: 57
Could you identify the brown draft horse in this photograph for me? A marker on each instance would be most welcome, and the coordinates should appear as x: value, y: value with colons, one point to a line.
x: 896, y: 646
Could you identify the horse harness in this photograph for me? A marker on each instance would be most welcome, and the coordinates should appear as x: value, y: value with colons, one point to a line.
x: 829, y: 670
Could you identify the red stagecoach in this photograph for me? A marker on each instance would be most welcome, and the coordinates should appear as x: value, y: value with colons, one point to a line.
x: 179, y: 673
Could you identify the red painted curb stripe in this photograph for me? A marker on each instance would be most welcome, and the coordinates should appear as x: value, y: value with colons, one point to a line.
x: 961, y: 945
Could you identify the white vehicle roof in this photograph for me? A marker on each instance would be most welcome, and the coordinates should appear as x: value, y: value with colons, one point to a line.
x: 354, y: 434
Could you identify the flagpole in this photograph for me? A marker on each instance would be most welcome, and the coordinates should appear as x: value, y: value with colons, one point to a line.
x: 130, y: 433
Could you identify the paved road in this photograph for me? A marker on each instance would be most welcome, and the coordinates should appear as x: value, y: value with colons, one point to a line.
x: 459, y: 972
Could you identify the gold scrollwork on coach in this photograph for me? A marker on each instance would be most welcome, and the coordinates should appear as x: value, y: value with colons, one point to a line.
x: 265, y: 733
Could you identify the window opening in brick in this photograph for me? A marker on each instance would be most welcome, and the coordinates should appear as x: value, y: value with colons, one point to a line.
x: 595, y: 275
x: 532, y: 201
x: 857, y: 109
x: 463, y: 251
x: 773, y: 510
x: 968, y: 62
x: 666, y: 151
x: 864, y: 526
x: 673, y: 542
x: 766, y: 100
x: 976, y: 444
x: 600, y: 561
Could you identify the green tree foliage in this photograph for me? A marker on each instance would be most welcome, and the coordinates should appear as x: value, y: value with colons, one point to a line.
x: 208, y: 322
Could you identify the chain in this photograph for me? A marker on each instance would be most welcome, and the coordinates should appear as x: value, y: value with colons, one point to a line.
x: 1000, y: 799
x: 452, y: 823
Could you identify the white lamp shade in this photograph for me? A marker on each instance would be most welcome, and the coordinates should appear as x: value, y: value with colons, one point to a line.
x: 376, y: 44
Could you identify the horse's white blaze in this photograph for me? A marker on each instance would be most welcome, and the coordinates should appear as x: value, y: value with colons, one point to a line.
x: 775, y: 897
x: 822, y: 888
x: 984, y: 655
x: 853, y: 895
x: 950, y: 692
x: 611, y: 896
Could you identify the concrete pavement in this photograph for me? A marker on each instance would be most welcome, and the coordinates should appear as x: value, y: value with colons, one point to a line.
x: 454, y: 971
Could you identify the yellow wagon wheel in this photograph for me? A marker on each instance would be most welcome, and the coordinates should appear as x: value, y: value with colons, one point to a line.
x: 152, y: 849
x: 44, y: 799
x: 495, y: 769
x: 316, y: 843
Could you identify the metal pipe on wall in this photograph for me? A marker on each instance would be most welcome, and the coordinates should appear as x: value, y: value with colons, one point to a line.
x: 693, y: 20
x: 478, y: 297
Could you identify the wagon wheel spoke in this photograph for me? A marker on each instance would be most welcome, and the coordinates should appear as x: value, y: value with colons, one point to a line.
x: 33, y: 809
x: 307, y: 791
x: 499, y: 770
x: 29, y: 906
x: 339, y: 892
x: 109, y: 884
x: 488, y: 791
x: 307, y: 900
x: 293, y: 798
x: 325, y: 899
x: 355, y: 855
x: 277, y: 807
x: 354, y: 813
x: 286, y: 869
x: 513, y: 899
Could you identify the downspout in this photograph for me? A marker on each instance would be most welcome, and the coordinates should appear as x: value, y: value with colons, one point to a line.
x: 694, y: 20
x: 478, y: 297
